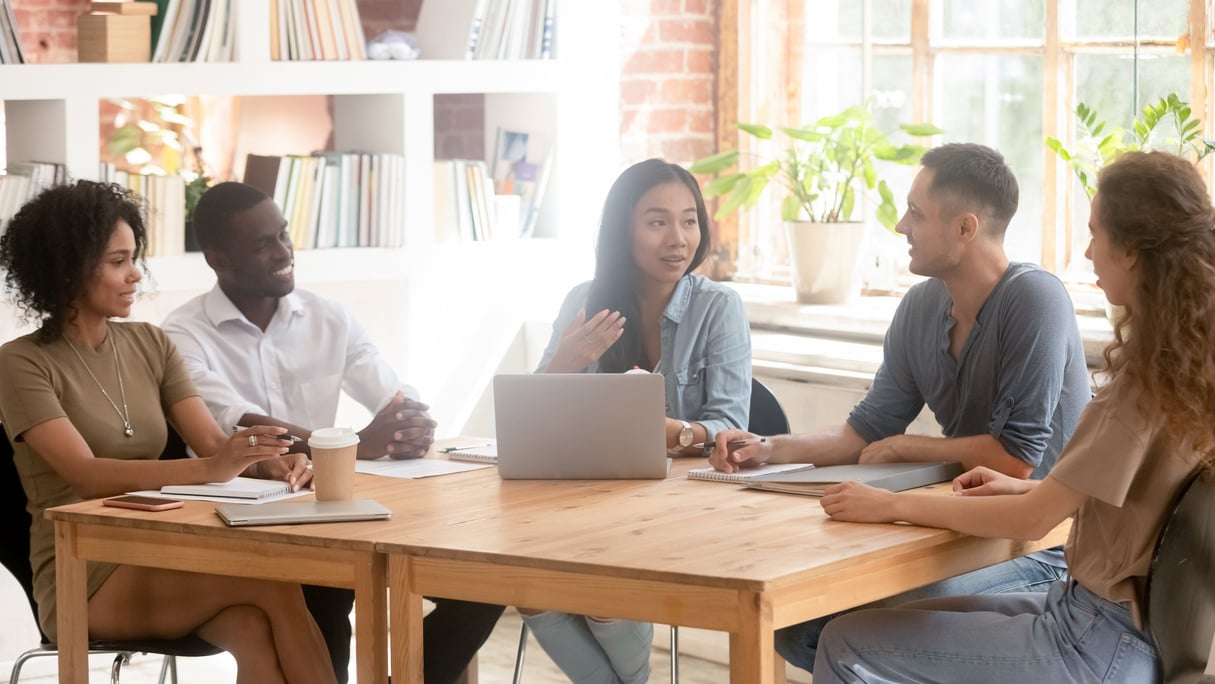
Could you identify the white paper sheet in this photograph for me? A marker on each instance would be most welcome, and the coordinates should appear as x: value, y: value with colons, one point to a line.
x: 415, y: 468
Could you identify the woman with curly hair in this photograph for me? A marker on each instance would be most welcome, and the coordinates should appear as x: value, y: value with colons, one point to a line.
x: 85, y: 402
x: 1144, y: 435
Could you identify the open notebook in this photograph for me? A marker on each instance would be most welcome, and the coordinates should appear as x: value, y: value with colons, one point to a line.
x: 293, y: 512
x: 236, y: 488
x: 893, y: 476
x: 747, y: 474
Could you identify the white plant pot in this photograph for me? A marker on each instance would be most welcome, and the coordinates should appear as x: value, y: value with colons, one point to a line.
x: 825, y: 259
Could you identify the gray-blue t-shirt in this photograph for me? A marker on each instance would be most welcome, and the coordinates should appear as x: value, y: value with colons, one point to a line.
x: 1021, y: 376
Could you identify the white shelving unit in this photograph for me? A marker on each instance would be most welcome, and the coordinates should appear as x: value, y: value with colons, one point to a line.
x: 52, y: 114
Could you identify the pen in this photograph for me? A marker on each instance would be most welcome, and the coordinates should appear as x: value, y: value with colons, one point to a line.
x: 736, y: 443
x: 448, y: 450
x: 288, y: 435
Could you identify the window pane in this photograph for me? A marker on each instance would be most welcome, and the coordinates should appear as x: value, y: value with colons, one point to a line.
x: 842, y: 21
x: 1104, y: 83
x: 997, y: 101
x: 1106, y: 19
x: 970, y: 21
x: 891, y: 21
x: 833, y: 21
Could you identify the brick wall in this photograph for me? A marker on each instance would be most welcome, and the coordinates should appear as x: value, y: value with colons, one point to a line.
x: 668, y: 79
x: 48, y: 29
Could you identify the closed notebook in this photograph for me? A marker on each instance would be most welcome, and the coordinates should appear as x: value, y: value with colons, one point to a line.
x: 893, y: 476
x: 482, y: 454
x: 746, y: 475
x: 296, y: 512
x: 236, y: 488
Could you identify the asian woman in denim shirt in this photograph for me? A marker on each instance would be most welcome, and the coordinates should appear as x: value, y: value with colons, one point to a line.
x: 649, y: 312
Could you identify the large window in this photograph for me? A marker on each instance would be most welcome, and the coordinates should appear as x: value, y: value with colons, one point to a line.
x: 1005, y: 73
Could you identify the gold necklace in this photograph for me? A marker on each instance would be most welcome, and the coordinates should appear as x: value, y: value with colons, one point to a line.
x: 124, y: 414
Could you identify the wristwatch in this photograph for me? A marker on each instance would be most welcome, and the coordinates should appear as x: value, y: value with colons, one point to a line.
x: 685, y: 434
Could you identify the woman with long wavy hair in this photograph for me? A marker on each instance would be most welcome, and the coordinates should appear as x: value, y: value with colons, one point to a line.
x: 1144, y: 435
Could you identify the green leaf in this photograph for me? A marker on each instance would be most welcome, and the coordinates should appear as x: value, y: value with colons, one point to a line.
x: 847, y: 204
x: 737, y: 197
x: 921, y: 130
x: 790, y: 209
x: 804, y: 134
x: 714, y: 164
x: 722, y: 185
x: 1057, y: 148
x: 868, y: 172
x: 757, y: 130
x: 888, y: 216
x: 832, y: 122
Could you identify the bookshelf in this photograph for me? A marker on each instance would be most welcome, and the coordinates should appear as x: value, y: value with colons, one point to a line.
x: 51, y: 114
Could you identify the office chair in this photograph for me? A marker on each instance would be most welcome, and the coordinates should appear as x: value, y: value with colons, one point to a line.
x: 1179, y: 605
x: 15, y: 556
x: 767, y: 417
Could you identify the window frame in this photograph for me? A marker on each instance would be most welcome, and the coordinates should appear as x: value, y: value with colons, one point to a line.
x: 761, y: 52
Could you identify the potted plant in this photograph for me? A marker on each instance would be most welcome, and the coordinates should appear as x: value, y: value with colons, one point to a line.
x: 1100, y: 144
x: 824, y: 168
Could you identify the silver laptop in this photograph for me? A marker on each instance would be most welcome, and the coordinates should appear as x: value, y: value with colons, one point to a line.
x: 586, y: 426
x: 293, y: 512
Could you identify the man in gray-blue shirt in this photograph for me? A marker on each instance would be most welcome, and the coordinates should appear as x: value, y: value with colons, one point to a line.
x: 990, y: 346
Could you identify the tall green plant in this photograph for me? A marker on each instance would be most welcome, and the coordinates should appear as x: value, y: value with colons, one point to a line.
x: 1099, y: 144
x: 824, y: 168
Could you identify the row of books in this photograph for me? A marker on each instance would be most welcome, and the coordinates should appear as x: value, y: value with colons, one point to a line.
x: 487, y: 29
x: 22, y: 181
x: 194, y: 31
x: 335, y: 199
x: 164, y: 206
x: 10, y: 35
x: 467, y: 208
x: 316, y: 30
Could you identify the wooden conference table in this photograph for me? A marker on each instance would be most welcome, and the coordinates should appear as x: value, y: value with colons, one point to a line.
x: 692, y: 553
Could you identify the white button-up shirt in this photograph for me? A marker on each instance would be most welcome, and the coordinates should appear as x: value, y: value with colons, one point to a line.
x: 312, y: 350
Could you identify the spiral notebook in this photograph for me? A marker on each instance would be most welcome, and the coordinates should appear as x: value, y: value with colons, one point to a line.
x: 744, y: 476
x: 485, y: 453
x: 236, y: 488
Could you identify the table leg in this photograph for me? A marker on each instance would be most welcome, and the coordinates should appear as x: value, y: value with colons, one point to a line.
x: 371, y: 621
x: 751, y: 648
x: 405, y: 621
x: 73, y: 618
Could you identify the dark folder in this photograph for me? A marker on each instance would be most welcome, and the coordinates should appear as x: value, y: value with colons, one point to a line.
x: 893, y: 476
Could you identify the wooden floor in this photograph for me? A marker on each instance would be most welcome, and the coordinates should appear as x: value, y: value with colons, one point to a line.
x: 496, y: 665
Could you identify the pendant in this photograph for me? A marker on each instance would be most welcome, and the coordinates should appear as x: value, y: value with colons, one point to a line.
x: 129, y: 431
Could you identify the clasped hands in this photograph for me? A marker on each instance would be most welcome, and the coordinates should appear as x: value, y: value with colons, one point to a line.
x: 402, y: 429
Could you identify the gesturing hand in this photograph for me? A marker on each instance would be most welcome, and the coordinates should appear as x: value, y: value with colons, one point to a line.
x: 402, y: 429
x: 585, y: 341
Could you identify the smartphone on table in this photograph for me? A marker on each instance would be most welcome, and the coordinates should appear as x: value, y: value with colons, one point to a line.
x: 142, y: 503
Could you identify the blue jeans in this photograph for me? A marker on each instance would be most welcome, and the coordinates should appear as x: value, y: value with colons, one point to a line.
x: 1066, y: 635
x: 798, y: 644
x: 594, y: 651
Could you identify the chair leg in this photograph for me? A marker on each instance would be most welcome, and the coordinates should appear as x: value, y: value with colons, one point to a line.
x: 519, y: 654
x: 674, y: 654
x: 168, y: 667
x: 28, y: 655
x: 116, y: 669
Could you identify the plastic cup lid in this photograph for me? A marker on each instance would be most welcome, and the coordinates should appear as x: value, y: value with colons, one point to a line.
x: 333, y: 438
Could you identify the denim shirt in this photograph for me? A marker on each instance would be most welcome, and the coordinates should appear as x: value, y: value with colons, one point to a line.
x: 706, y: 352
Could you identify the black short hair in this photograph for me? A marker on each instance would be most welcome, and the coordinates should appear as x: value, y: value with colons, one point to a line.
x: 215, y: 209
x: 55, y: 243
x: 975, y: 175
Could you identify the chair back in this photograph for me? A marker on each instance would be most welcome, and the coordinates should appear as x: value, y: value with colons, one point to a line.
x: 767, y: 416
x: 1180, y: 595
x: 15, y: 525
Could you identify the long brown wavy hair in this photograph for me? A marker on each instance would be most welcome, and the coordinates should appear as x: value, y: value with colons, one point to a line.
x: 1157, y: 205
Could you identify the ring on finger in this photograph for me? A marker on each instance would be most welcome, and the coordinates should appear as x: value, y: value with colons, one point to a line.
x: 252, y: 440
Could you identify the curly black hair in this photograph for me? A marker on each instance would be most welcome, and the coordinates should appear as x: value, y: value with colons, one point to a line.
x: 55, y: 243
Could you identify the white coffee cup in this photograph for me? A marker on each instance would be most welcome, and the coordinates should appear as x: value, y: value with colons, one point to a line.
x: 333, y: 455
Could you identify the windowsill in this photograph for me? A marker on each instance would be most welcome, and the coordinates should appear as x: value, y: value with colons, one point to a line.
x: 847, y: 337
